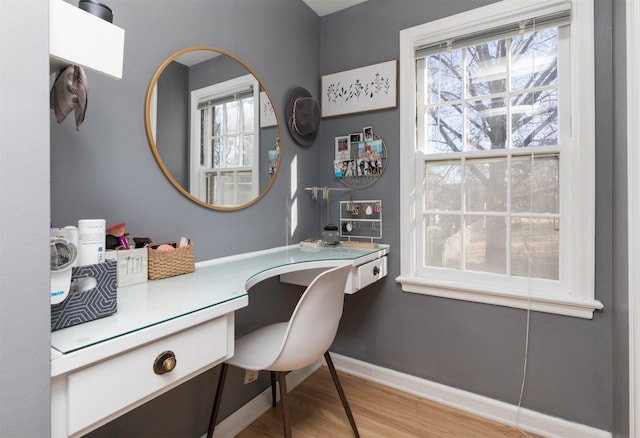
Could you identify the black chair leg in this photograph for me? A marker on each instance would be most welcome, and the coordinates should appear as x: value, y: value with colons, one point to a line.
x: 273, y: 389
x: 343, y: 398
x: 217, y: 399
x: 284, y: 405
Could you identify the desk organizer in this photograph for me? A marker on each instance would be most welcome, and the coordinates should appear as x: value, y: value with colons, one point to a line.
x: 163, y: 264
x: 361, y: 219
x: 86, y: 305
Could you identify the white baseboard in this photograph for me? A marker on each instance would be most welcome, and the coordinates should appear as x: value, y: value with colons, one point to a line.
x: 243, y: 417
x: 504, y: 413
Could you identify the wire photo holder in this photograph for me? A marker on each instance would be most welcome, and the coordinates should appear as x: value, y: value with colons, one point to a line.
x: 360, y: 158
x: 267, y: 112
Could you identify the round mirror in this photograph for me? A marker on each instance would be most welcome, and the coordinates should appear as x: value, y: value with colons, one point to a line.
x: 213, y: 128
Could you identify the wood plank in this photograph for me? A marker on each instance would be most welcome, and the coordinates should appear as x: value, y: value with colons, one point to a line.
x: 380, y: 412
x: 356, y: 244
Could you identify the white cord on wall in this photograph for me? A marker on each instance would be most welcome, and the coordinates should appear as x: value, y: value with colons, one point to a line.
x: 528, y: 325
x: 526, y: 350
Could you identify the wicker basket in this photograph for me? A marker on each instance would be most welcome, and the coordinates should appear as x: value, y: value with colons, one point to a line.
x: 163, y: 264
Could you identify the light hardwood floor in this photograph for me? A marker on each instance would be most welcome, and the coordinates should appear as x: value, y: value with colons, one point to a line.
x: 380, y: 412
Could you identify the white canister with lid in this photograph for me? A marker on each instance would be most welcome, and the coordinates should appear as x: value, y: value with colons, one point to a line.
x: 91, y: 241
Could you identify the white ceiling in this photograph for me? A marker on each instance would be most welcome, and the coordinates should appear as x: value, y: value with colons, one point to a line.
x: 326, y: 7
x: 320, y: 7
x: 196, y: 57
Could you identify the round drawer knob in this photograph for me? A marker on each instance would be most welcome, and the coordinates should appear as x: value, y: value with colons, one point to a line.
x: 376, y: 270
x: 165, y: 362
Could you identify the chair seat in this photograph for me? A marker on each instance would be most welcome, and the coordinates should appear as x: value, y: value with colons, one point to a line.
x: 259, y: 349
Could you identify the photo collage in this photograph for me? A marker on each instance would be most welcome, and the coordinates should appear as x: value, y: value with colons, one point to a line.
x: 358, y: 154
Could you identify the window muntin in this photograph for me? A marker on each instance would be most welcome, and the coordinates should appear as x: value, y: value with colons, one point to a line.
x: 485, y: 104
x: 479, y: 211
x: 227, y: 171
x: 232, y: 132
x: 472, y: 90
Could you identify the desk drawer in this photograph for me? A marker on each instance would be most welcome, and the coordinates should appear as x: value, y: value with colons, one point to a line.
x: 106, y: 388
x: 370, y: 272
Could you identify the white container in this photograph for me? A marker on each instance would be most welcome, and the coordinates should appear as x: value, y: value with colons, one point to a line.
x: 132, y: 265
x: 91, y: 241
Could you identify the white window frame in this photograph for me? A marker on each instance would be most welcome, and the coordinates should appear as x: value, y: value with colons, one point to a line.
x: 574, y: 294
x: 198, y: 174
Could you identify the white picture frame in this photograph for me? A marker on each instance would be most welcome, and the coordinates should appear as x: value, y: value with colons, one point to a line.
x: 369, y: 88
x: 267, y: 113
x: 343, y: 148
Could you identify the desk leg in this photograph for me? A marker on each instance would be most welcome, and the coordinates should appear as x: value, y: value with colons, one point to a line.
x: 59, y: 407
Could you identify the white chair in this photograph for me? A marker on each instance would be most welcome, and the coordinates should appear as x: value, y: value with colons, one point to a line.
x: 288, y: 346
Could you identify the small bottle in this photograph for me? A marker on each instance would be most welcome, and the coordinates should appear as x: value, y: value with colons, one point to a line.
x: 330, y: 235
x: 91, y: 241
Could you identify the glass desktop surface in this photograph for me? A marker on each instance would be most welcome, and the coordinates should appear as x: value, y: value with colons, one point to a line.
x: 213, y: 283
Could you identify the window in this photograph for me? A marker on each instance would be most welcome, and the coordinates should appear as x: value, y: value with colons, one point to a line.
x: 498, y: 132
x: 224, y: 162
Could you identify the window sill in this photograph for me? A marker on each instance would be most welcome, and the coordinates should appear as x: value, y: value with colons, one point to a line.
x: 568, y: 306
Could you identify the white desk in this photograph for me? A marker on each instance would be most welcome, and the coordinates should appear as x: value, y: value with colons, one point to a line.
x: 104, y: 368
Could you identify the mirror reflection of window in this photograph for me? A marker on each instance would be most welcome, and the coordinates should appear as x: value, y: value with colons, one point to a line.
x: 224, y: 153
x: 221, y: 157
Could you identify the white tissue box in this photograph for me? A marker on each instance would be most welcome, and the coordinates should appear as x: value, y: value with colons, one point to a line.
x: 131, y: 265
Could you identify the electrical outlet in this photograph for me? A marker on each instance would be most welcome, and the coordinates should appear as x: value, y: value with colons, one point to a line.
x: 250, y: 376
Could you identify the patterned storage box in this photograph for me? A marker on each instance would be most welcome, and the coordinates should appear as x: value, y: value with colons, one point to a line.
x: 94, y: 303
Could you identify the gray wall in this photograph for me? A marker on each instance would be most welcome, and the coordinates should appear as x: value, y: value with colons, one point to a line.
x: 474, y: 347
x: 24, y: 219
x: 106, y: 170
x: 173, y: 123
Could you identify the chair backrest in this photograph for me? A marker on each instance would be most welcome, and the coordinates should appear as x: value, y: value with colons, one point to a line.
x: 314, y: 322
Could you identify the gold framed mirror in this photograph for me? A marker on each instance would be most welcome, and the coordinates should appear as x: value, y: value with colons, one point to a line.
x: 213, y: 128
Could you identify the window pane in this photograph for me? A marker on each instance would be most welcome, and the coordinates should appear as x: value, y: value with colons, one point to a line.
x: 210, y: 184
x: 233, y: 117
x: 247, y: 111
x: 227, y: 188
x: 444, y: 129
x: 487, y: 124
x: 203, y: 142
x: 444, y: 77
x: 443, y: 246
x: 443, y: 183
x: 535, y: 184
x: 534, y: 119
x: 247, y: 150
x: 485, y: 185
x: 485, y: 244
x: 217, y: 153
x: 245, y: 187
x: 535, y: 247
x: 487, y: 68
x: 534, y: 59
x: 231, y: 152
x: 217, y: 120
